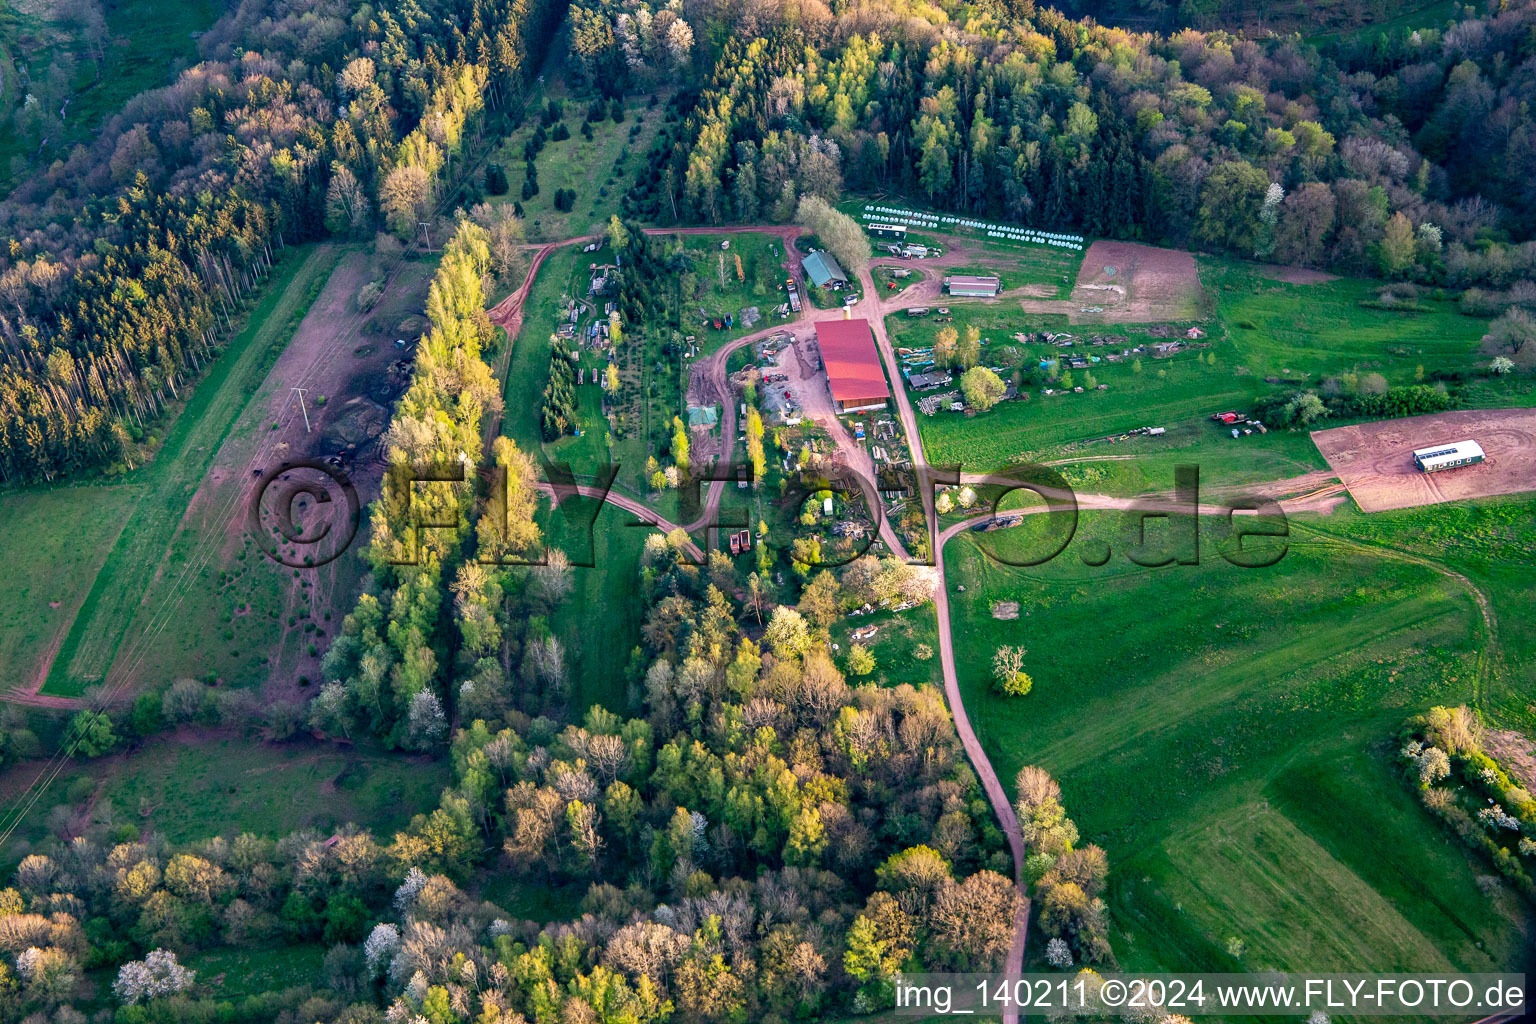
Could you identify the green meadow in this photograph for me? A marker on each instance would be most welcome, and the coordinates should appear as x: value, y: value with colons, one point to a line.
x: 1225, y: 734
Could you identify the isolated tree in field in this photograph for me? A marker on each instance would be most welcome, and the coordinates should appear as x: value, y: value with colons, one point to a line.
x: 944, y: 344
x: 1305, y: 408
x: 839, y: 233
x: 861, y: 661
x: 1008, y: 673
x: 1501, y: 365
x: 982, y: 388
x: 968, y: 351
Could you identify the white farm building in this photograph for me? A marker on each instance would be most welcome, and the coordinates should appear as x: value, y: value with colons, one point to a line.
x: 1448, y: 456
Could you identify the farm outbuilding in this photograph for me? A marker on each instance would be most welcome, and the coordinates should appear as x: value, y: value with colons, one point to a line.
x: 853, y: 366
x: 972, y: 286
x: 823, y: 271
x: 924, y: 381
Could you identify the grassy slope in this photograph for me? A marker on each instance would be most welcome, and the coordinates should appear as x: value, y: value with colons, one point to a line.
x: 1237, y: 773
x: 54, y: 543
x: 169, y: 481
x: 598, y: 170
x: 237, y: 785
x: 189, y: 787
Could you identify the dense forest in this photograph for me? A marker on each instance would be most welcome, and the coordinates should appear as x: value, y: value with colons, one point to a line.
x: 1407, y: 154
x: 126, y: 263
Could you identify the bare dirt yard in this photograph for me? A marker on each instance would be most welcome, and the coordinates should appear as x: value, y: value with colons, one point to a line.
x: 1122, y: 282
x: 1375, y: 460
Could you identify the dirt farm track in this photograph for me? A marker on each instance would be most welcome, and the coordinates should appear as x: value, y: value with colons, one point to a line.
x: 1375, y: 460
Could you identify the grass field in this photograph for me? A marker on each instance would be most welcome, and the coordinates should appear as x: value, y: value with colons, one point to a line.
x: 1308, y: 331
x: 188, y: 786
x: 894, y: 646
x: 1225, y: 735
x: 55, y: 541
x: 137, y: 560
x: 599, y: 621
x: 236, y: 973
x: 1297, y: 334
x: 1492, y: 544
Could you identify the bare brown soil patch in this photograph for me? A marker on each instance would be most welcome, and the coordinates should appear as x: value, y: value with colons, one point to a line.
x: 1515, y: 753
x: 1375, y: 460
x: 1123, y: 282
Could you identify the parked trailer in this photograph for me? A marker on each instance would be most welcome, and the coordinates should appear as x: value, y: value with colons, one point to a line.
x: 1448, y: 456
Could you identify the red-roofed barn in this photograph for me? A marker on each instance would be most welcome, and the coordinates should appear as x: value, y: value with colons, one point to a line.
x: 852, y: 364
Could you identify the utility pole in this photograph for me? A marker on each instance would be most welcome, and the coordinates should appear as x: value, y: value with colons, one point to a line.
x: 426, y: 232
x: 300, y: 393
